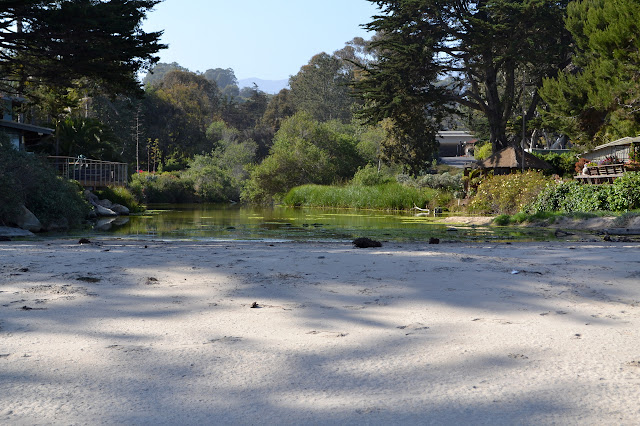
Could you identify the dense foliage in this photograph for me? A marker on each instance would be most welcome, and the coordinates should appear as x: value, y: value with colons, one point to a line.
x: 571, y: 196
x: 598, y: 97
x: 28, y: 180
x: 65, y: 43
x: 304, y: 151
x: 487, y: 50
x: 508, y: 194
x: 563, y: 165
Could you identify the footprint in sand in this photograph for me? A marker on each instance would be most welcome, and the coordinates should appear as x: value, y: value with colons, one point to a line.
x: 518, y: 356
x: 328, y: 333
x: 225, y: 339
x: 413, y: 328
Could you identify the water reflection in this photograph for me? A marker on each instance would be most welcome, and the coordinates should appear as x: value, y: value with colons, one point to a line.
x: 235, y: 222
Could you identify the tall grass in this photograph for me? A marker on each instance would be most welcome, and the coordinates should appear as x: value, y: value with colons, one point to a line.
x: 389, y: 196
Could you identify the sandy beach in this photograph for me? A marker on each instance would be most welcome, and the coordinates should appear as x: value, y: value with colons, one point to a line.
x: 129, y: 332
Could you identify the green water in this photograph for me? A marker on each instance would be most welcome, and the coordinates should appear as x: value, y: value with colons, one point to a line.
x: 225, y: 222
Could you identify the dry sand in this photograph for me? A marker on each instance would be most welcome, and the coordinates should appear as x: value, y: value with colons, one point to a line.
x: 122, y: 332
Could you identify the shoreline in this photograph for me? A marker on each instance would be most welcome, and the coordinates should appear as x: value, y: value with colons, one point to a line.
x: 125, y: 332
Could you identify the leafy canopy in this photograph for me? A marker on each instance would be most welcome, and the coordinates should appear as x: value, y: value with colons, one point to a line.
x: 483, y: 48
x: 599, y: 96
x: 65, y: 43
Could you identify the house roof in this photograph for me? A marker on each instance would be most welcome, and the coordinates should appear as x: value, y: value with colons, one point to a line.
x: 26, y: 127
x: 511, y: 158
x: 624, y: 141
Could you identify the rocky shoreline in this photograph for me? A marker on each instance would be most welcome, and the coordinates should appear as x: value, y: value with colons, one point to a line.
x: 26, y: 224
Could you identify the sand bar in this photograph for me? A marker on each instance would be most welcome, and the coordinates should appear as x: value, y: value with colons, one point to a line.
x: 126, y: 332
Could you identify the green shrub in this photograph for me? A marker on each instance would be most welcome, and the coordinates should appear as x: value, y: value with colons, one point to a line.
x: 29, y: 180
x: 482, y: 152
x: 507, y: 194
x: 162, y: 188
x: 625, y: 192
x: 571, y: 196
x: 563, y: 165
x: 369, y: 175
x: 120, y: 195
x: 444, y: 181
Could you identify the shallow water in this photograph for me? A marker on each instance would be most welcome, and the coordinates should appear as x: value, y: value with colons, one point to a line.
x: 234, y: 222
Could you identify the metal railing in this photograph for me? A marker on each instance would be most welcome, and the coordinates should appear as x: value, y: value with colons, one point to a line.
x: 91, y: 173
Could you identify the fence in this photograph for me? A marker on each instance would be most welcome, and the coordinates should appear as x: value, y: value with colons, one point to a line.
x: 91, y: 173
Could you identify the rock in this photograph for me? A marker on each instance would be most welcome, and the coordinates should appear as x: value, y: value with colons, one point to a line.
x: 27, y: 220
x: 90, y: 196
x: 92, y: 214
x: 8, y: 232
x: 103, y: 211
x: 364, y: 242
x: 104, y: 203
x: 120, y: 209
x: 434, y: 240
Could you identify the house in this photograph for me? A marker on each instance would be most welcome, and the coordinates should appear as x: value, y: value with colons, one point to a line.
x: 452, y: 142
x: 620, y: 149
x: 21, y: 135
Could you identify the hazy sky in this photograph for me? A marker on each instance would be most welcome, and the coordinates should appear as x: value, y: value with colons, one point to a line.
x: 268, y: 39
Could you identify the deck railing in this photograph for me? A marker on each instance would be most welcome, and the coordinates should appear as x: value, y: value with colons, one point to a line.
x: 91, y: 173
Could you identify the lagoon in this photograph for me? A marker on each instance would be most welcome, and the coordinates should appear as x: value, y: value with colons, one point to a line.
x: 238, y: 222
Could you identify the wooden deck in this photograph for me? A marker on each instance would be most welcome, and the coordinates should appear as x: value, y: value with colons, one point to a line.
x: 91, y: 173
x: 602, y: 174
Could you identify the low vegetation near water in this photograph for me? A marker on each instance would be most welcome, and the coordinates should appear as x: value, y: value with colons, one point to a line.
x: 388, y: 196
x: 28, y: 180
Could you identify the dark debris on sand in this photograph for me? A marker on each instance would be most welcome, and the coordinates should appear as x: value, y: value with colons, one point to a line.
x: 364, y: 242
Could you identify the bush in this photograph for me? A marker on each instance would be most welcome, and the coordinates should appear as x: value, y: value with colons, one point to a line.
x: 122, y: 196
x: 568, y: 197
x: 563, y: 165
x: 444, y: 181
x: 507, y: 194
x: 27, y: 179
x: 369, y: 175
x: 162, y: 188
x: 482, y: 152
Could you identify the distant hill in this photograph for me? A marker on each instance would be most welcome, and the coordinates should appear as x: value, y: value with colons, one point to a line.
x: 267, y: 86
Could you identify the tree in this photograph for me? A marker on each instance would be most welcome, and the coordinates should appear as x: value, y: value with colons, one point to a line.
x: 278, y: 109
x: 487, y: 49
x: 225, y: 79
x: 71, y: 43
x: 304, y: 151
x: 88, y: 137
x: 222, y: 77
x: 159, y: 70
x: 598, y: 96
x: 321, y: 88
x: 179, y: 109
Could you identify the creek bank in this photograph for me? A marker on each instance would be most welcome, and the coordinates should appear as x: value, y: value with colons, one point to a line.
x: 25, y: 223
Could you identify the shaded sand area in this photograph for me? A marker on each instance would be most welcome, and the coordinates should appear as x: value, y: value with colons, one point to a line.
x: 122, y: 332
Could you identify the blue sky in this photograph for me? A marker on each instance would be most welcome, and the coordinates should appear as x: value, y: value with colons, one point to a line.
x: 268, y: 39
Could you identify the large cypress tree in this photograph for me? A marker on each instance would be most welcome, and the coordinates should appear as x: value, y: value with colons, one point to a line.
x: 61, y: 43
x: 598, y: 98
x: 485, y: 49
